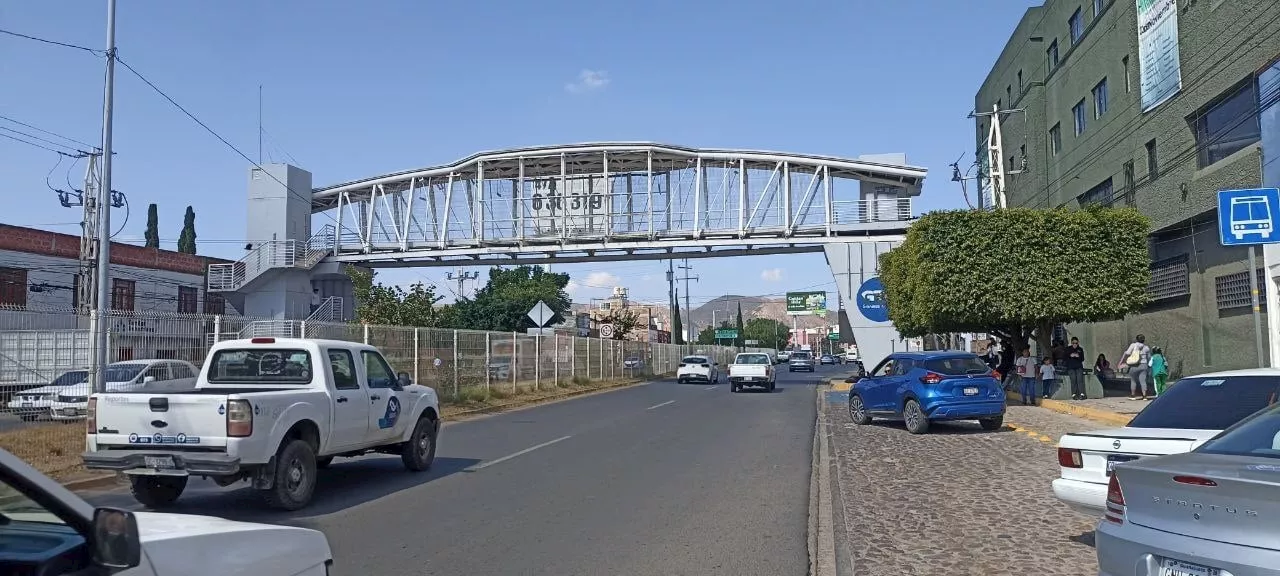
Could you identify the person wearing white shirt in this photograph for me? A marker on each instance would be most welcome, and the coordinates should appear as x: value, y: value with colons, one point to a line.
x: 1026, y: 369
x: 1047, y: 376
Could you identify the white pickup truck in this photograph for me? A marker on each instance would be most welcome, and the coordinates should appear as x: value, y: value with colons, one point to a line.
x: 752, y: 369
x: 267, y: 410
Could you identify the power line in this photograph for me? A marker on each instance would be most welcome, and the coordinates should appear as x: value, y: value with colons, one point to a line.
x: 50, y: 133
x: 41, y: 139
x: 29, y: 143
x: 53, y: 42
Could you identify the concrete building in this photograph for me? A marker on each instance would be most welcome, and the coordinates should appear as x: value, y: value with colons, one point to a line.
x: 1153, y: 104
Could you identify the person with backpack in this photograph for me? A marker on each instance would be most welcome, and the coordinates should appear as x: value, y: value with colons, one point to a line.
x: 1137, y: 357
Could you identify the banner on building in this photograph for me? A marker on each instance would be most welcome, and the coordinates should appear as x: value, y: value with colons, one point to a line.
x: 1159, y: 69
x: 807, y: 303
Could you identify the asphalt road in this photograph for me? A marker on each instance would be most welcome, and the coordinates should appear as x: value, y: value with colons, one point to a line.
x: 661, y: 478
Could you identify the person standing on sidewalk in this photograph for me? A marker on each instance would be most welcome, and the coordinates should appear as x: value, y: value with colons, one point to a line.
x: 1074, y: 363
x: 1026, y: 375
x: 1138, y: 358
x: 1047, y: 376
x: 1159, y: 370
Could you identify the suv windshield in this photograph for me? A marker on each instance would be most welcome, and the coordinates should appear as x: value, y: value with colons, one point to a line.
x: 266, y: 366
x: 956, y: 365
x: 1208, y: 403
x: 1257, y: 436
x: 122, y: 372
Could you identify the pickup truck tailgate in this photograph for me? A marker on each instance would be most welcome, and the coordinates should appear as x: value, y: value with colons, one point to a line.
x: 143, y: 420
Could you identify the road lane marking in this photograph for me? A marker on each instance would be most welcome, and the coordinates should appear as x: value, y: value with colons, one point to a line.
x: 483, y: 465
x: 661, y: 405
x: 1031, y: 433
x: 710, y: 388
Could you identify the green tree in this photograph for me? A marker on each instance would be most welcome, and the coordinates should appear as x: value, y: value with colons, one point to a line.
x: 187, y: 238
x: 742, y: 333
x: 152, y: 233
x: 677, y: 327
x: 504, y: 302
x: 1017, y: 272
x: 770, y: 333
x: 624, y: 322
x: 395, y: 306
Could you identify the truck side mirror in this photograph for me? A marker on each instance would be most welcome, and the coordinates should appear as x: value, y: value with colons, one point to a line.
x: 403, y: 380
x: 148, y: 379
x: 115, y: 542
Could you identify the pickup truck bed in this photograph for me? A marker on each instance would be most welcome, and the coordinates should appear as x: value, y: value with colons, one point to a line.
x: 752, y: 369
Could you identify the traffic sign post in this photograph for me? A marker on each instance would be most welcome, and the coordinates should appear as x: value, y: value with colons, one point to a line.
x: 541, y: 314
x: 1248, y: 218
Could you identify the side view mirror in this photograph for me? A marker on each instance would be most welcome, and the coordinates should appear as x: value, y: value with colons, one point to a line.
x: 116, y: 543
x: 403, y: 380
x: 148, y: 379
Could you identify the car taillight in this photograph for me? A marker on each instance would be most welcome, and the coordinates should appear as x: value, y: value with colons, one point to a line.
x: 1069, y: 458
x: 91, y: 416
x: 262, y: 341
x: 1194, y: 481
x: 1115, y: 502
x: 931, y: 378
x: 239, y: 419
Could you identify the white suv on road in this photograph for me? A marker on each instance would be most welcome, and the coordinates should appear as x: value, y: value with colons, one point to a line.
x: 1190, y: 412
x: 698, y: 369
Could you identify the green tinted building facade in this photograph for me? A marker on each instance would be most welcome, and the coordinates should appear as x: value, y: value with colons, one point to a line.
x: 1155, y: 104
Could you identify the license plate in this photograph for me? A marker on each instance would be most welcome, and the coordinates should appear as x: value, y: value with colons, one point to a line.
x: 1171, y: 567
x: 1113, y: 460
x: 159, y: 462
x: 970, y: 391
x: 70, y: 412
x: 748, y: 379
x: 26, y: 404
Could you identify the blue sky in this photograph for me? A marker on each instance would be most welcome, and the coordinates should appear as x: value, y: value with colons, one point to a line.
x: 354, y: 89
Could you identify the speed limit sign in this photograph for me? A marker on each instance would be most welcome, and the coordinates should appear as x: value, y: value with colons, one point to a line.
x: 606, y: 330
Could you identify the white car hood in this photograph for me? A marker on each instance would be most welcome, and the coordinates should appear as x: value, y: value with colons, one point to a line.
x: 1152, y: 433
x: 175, y: 543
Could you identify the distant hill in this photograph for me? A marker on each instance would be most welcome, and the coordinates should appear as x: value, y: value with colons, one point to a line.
x: 771, y: 307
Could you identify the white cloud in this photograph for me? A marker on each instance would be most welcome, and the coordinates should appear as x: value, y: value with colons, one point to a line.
x: 771, y: 275
x: 595, y: 282
x: 588, y: 81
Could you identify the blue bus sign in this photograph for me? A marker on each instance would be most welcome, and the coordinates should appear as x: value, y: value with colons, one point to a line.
x: 1248, y: 217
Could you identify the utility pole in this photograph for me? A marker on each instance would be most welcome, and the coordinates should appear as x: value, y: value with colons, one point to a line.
x: 99, y: 320
x: 688, y: 330
x: 996, y: 170
x: 462, y: 276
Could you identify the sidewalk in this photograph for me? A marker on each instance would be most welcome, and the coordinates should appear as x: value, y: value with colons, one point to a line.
x: 1112, y: 410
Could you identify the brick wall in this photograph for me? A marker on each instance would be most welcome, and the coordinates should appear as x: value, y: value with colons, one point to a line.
x: 33, y: 241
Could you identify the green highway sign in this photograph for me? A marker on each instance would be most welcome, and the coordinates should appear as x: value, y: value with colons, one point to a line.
x: 806, y: 303
x: 833, y: 336
x: 726, y: 334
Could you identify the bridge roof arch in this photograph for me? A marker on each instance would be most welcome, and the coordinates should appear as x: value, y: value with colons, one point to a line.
x: 622, y: 157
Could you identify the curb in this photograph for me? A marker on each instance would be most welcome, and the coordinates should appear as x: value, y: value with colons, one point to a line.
x: 512, y: 406
x: 1095, y: 414
x: 91, y: 483
x: 821, y: 538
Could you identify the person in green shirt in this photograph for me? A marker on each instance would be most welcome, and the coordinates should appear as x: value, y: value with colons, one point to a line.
x: 1159, y: 370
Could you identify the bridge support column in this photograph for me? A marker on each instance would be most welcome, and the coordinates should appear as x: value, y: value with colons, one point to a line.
x: 855, y: 266
x: 279, y: 208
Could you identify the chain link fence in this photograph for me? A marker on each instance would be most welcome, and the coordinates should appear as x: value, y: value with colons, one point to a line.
x: 45, y: 357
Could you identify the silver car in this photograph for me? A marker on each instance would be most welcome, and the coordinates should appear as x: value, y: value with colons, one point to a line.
x: 1214, y: 511
x: 800, y: 361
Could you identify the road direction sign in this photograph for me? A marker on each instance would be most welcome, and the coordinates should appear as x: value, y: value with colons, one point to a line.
x: 833, y: 336
x: 870, y: 300
x: 726, y: 334
x: 1247, y: 217
x: 750, y: 342
x: 606, y: 330
x: 541, y: 314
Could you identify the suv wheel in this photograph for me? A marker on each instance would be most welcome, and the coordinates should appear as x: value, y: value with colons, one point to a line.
x: 914, y: 417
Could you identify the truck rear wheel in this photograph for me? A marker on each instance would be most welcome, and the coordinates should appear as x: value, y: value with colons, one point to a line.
x: 157, y: 491
x: 295, y: 478
x: 420, y: 451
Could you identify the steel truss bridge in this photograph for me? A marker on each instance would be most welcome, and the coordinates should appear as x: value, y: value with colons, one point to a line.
x: 615, y: 201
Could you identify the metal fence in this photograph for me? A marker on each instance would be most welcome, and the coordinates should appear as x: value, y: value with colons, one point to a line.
x: 39, y: 346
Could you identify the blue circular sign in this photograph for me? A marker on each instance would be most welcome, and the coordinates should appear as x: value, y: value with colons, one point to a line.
x: 871, y: 302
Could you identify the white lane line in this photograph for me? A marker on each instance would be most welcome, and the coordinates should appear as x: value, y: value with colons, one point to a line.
x: 661, y: 405
x: 483, y: 465
x: 710, y: 388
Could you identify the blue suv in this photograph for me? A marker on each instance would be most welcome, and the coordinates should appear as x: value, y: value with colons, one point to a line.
x: 919, y: 387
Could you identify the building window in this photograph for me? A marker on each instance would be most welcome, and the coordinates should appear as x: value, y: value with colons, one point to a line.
x: 1020, y: 87
x: 1100, y: 194
x: 1076, y: 24
x: 1008, y: 92
x: 1228, y: 124
x: 1077, y: 112
x: 1232, y: 290
x: 1153, y: 168
x: 999, y: 104
x: 1100, y: 99
x: 1124, y: 62
x: 1169, y: 278
x: 122, y: 294
x: 1055, y: 139
x: 1098, y: 7
x: 214, y: 303
x: 13, y: 286
x: 1051, y: 55
x: 188, y: 300
x: 1128, y: 183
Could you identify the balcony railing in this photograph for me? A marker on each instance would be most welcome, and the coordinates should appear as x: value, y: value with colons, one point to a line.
x: 867, y: 211
x: 271, y: 255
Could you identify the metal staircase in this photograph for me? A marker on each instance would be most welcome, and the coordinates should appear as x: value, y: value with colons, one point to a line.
x: 329, y: 311
x: 271, y: 255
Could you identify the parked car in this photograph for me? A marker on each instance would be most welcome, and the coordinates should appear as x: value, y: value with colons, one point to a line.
x: 698, y: 369
x: 72, y: 402
x: 32, y: 403
x: 800, y: 361
x: 1190, y: 412
x: 923, y: 387
x: 266, y: 410
x: 49, y: 530
x: 829, y: 359
x: 1208, y: 512
x: 752, y: 369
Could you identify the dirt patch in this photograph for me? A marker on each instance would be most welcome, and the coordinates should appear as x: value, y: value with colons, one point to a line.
x: 54, y: 448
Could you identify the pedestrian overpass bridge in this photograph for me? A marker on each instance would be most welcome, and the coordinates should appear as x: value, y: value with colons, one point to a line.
x: 592, y: 202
